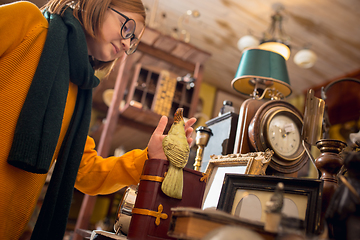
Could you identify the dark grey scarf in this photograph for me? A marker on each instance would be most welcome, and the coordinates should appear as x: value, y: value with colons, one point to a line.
x: 64, y: 58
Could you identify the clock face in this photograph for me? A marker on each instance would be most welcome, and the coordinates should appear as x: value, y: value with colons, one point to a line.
x: 283, y: 135
x: 277, y: 126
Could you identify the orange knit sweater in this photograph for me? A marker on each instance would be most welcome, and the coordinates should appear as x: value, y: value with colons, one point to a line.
x: 23, y: 32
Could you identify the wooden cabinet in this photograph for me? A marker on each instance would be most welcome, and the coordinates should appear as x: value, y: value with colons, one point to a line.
x: 159, y: 91
x: 159, y: 61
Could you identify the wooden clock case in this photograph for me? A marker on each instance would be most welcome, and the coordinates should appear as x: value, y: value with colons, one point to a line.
x: 244, y: 143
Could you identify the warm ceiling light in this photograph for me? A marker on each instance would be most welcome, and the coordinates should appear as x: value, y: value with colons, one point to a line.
x: 277, y: 47
x: 247, y: 41
x: 276, y: 40
x: 305, y: 58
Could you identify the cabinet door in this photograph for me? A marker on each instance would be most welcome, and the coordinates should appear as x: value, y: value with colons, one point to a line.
x: 143, y: 87
x: 182, y: 98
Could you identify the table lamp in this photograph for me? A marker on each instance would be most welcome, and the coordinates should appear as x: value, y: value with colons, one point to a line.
x: 259, y: 70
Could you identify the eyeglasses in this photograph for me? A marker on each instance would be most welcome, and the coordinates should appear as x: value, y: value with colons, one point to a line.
x: 127, y: 31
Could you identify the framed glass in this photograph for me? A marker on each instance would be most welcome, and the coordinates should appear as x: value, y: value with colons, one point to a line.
x: 254, y: 163
x: 302, y: 197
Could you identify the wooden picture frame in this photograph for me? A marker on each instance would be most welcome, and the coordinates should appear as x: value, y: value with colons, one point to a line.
x: 219, y: 165
x: 306, y: 194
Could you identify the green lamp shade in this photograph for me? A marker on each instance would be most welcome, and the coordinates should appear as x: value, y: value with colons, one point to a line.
x: 262, y: 66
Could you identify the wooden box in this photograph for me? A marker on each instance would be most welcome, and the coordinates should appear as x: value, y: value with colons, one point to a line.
x: 152, y: 200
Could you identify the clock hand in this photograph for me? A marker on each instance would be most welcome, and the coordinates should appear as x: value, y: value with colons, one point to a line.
x: 286, y: 133
x: 283, y: 134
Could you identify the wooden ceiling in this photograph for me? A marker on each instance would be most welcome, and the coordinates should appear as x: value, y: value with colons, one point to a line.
x: 332, y: 28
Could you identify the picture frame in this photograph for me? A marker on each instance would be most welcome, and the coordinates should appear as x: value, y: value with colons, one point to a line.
x: 304, y: 194
x: 219, y: 165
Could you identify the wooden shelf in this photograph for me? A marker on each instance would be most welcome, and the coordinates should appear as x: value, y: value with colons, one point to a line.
x: 144, y: 120
x: 138, y: 115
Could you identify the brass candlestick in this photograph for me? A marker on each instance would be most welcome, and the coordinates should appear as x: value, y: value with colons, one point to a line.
x: 202, y: 139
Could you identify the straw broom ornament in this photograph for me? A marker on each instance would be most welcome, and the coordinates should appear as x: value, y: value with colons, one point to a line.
x: 176, y: 149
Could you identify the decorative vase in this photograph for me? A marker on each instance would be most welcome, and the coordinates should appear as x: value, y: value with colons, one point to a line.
x: 329, y: 164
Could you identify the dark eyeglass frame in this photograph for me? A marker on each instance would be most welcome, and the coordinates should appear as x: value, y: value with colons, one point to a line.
x: 133, y: 40
x: 127, y: 19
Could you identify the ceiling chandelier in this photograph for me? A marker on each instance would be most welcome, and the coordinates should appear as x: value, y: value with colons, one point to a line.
x: 276, y: 40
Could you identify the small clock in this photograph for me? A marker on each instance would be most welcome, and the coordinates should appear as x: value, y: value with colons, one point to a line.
x: 277, y: 125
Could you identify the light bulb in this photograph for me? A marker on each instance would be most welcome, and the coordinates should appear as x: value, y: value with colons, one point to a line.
x: 247, y: 41
x: 305, y: 58
x: 276, y: 47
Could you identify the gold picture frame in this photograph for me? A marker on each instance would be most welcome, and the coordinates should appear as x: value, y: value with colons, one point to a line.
x: 250, y: 163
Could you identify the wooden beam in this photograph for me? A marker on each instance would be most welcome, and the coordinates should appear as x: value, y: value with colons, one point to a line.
x: 165, y: 56
x: 198, y: 75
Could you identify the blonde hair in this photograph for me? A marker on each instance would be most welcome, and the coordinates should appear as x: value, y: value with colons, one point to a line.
x: 90, y: 14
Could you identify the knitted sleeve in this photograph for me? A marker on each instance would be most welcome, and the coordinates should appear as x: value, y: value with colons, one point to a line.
x: 99, y: 175
x: 17, y: 22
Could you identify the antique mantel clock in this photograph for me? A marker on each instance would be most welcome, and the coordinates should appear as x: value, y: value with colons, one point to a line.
x: 266, y: 120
